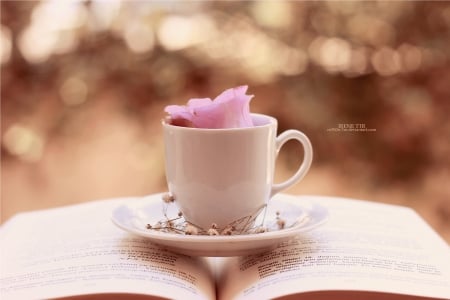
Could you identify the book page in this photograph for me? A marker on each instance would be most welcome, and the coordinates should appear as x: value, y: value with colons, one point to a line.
x: 77, y: 250
x: 363, y: 247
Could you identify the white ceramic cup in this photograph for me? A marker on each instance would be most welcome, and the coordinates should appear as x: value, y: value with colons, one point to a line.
x: 221, y: 175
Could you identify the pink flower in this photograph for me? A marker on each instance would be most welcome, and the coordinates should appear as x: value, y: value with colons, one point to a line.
x: 231, y: 109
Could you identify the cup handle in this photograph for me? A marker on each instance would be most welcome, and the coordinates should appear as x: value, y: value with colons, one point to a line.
x: 307, y: 158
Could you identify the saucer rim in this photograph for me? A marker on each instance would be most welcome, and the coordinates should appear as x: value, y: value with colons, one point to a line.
x: 199, y: 239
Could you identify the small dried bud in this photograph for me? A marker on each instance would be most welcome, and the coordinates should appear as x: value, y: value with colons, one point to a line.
x: 260, y: 229
x: 180, y: 214
x: 213, y: 231
x: 191, y: 230
x: 277, y: 213
x: 281, y: 223
x: 148, y: 226
x: 214, y: 226
x: 168, y: 198
x: 158, y: 225
x: 227, y: 231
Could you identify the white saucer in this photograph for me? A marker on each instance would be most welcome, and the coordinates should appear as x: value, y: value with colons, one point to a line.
x: 299, y: 214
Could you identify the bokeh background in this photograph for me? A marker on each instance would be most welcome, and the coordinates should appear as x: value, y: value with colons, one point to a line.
x: 84, y: 85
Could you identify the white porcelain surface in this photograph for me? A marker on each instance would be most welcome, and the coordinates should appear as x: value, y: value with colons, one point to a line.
x: 221, y: 175
x: 300, y: 215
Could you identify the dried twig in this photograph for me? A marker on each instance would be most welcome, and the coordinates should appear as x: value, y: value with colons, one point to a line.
x: 244, y: 225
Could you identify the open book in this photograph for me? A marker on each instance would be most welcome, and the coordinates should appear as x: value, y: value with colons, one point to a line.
x: 366, y: 250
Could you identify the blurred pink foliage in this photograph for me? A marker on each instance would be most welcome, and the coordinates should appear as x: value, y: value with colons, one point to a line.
x: 84, y: 86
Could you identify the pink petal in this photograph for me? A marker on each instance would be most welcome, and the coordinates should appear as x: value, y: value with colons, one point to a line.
x: 179, y: 115
x: 208, y: 116
x: 233, y: 92
x: 231, y: 109
x: 178, y: 111
x: 198, y: 102
x: 194, y: 104
x: 236, y: 107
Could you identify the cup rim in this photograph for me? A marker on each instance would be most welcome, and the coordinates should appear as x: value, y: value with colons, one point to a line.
x: 271, y: 121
